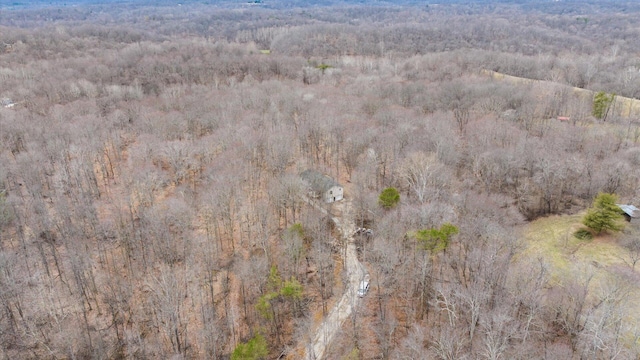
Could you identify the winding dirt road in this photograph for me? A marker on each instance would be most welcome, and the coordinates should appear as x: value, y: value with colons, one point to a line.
x: 355, y: 273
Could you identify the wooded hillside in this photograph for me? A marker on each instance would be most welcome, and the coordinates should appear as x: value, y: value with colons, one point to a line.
x: 151, y: 205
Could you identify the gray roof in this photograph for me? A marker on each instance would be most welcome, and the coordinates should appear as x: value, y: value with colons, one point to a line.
x: 630, y: 210
x: 317, y: 181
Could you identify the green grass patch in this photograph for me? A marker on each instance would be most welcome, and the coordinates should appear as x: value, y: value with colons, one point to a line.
x: 553, y: 239
x: 563, y: 242
x: 548, y: 237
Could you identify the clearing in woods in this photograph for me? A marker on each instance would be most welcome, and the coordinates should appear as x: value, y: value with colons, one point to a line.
x: 326, y: 332
x: 622, y: 106
x: 551, y: 241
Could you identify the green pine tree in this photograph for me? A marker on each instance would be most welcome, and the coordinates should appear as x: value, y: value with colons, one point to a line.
x: 604, y: 214
x: 254, y: 349
x: 601, y: 104
x: 435, y: 240
x: 389, y: 198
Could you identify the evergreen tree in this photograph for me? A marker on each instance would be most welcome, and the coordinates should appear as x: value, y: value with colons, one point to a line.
x: 601, y: 104
x: 254, y: 349
x: 435, y: 240
x: 604, y: 214
x: 389, y: 198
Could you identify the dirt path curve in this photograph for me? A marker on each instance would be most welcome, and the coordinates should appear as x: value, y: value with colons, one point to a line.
x: 355, y: 273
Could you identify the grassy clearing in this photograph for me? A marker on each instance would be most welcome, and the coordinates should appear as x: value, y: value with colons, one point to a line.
x: 552, y: 240
x: 623, y: 106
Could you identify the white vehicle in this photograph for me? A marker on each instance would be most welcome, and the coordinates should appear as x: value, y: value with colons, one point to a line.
x: 363, y: 288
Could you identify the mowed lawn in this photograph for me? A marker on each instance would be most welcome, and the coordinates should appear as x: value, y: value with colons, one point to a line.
x: 551, y: 239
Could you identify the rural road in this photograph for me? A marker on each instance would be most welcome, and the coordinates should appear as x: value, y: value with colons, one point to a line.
x: 355, y: 273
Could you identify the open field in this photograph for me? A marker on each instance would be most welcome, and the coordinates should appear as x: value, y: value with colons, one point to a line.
x: 599, y: 263
x: 622, y: 106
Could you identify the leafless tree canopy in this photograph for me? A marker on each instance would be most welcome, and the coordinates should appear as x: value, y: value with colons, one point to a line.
x: 150, y: 203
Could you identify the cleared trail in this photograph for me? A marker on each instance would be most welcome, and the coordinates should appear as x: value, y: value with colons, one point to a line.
x: 355, y: 273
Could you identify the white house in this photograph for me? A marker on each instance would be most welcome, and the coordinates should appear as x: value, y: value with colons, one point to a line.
x: 322, y: 186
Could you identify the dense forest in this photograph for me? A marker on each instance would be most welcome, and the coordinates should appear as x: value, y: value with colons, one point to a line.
x: 151, y: 205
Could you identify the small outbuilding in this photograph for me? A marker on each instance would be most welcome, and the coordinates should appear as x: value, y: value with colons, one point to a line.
x: 629, y: 211
x: 322, y: 186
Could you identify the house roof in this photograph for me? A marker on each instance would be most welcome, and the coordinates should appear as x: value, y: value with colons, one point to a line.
x: 630, y: 210
x: 318, y: 181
